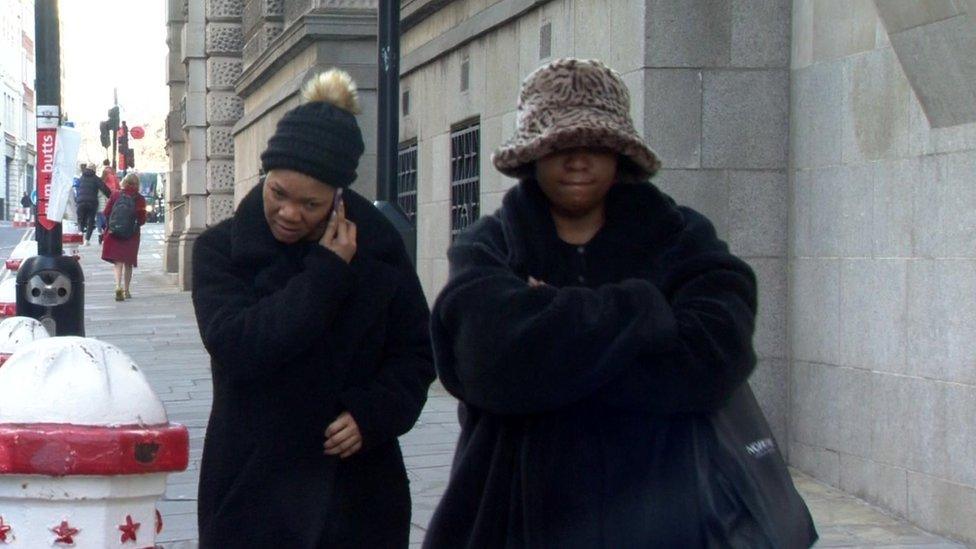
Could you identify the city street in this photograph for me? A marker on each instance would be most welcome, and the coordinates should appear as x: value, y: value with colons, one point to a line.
x: 157, y: 329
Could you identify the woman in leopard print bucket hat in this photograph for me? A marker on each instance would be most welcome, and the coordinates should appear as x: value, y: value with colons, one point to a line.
x: 589, y: 328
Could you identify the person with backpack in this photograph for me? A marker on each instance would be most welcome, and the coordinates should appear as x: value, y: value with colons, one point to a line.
x: 126, y: 212
x: 89, y: 185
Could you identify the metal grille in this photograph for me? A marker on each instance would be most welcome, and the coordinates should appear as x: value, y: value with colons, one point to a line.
x: 465, y: 176
x: 406, y: 190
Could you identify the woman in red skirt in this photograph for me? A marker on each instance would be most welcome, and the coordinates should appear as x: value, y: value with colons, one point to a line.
x: 121, y: 246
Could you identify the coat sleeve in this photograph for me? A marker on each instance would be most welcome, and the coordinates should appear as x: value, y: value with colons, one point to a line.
x: 712, y: 297
x: 507, y: 348
x: 109, y: 204
x: 141, y: 209
x: 254, y: 338
x: 390, y: 405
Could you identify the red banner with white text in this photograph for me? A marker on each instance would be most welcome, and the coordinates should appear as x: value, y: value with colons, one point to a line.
x: 45, y: 169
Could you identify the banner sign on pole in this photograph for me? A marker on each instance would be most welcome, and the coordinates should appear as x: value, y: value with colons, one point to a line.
x: 45, y: 169
x: 67, y: 143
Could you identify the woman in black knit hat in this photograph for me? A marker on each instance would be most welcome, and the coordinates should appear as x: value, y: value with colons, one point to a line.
x: 317, y: 329
x: 610, y: 326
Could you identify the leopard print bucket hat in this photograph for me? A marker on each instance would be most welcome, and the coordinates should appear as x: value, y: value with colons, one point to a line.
x: 573, y: 103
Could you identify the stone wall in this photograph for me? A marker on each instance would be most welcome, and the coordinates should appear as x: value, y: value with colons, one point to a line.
x: 288, y: 42
x: 883, y: 266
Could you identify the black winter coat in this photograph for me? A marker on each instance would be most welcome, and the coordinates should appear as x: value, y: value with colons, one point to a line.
x: 89, y: 186
x: 296, y: 337
x: 579, y: 398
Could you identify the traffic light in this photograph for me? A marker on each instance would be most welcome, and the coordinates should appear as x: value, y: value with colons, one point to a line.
x: 113, y: 118
x: 105, y: 134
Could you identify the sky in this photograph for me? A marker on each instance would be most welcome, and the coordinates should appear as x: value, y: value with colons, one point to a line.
x: 108, y: 44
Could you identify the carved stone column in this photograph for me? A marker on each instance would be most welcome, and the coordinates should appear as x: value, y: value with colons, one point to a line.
x: 225, y: 42
x: 175, y: 138
x: 194, y: 166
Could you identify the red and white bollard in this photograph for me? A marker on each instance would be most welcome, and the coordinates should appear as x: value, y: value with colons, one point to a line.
x: 18, y: 331
x: 85, y: 447
x: 23, y: 250
x: 8, y: 298
x: 71, y: 238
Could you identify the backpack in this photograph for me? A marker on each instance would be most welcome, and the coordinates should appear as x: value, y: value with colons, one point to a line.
x: 122, y: 221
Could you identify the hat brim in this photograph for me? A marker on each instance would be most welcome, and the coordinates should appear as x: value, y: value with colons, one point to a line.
x: 512, y: 157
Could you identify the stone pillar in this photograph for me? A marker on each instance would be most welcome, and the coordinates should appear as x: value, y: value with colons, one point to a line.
x: 175, y: 138
x: 194, y: 166
x: 224, y: 44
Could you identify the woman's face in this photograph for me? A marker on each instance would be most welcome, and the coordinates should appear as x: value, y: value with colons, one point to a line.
x: 296, y: 206
x: 576, y: 181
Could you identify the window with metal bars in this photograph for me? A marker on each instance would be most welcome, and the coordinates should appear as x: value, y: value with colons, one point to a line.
x: 465, y: 176
x: 406, y: 190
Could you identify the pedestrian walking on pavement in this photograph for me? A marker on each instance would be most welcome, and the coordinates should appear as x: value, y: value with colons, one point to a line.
x: 589, y: 328
x: 89, y: 187
x: 126, y: 213
x: 318, y: 333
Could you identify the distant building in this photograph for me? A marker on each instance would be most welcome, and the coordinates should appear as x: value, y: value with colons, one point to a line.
x: 17, y: 73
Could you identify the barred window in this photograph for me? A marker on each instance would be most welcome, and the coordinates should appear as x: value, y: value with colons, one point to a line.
x: 406, y: 190
x: 465, y: 176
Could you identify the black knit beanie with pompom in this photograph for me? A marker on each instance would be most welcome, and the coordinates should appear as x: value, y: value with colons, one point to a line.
x: 320, y: 138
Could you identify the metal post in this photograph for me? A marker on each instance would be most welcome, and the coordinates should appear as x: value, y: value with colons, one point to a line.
x: 387, y: 127
x: 48, y: 56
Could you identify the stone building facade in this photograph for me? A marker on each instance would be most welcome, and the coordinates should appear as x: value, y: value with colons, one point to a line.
x: 17, y: 101
x: 832, y: 143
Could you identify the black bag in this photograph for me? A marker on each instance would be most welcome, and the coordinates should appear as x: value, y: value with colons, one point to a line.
x: 748, y: 496
x: 122, y: 222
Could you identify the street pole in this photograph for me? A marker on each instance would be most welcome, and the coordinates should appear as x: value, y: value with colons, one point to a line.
x: 115, y: 131
x: 388, y: 122
x: 387, y: 127
x: 48, y: 55
x: 50, y: 286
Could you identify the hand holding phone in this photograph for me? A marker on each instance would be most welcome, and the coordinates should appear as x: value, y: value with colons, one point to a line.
x: 340, y: 233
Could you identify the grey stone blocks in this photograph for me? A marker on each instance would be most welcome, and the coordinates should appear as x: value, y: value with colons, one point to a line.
x: 760, y: 33
x: 224, y: 39
x: 224, y: 10
x: 672, y: 115
x: 220, y: 142
x: 688, y: 34
x: 223, y: 72
x: 220, y: 176
x: 745, y: 119
x: 224, y: 108
x: 219, y: 208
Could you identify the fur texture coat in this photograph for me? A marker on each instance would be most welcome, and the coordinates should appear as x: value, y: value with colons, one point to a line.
x: 296, y: 337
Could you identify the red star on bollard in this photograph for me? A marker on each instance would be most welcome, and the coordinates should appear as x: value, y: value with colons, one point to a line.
x: 65, y: 533
x: 129, y: 529
x: 4, y: 530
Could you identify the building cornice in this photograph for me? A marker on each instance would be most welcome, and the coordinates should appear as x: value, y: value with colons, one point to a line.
x: 482, y: 23
x: 346, y: 24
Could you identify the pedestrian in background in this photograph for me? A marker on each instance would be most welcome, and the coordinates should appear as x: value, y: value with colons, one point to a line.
x: 108, y: 176
x: 317, y: 329
x: 126, y: 212
x: 86, y: 200
x: 591, y: 328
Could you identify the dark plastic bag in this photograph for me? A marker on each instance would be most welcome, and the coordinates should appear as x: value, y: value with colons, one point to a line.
x: 748, y: 496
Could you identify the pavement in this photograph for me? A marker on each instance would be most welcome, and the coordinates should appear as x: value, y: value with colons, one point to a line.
x: 158, y: 330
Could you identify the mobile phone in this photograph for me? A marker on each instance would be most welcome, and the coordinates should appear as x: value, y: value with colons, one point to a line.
x: 337, y: 200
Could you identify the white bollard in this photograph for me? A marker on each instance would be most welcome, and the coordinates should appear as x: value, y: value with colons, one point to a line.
x: 71, y: 238
x: 85, y: 446
x: 23, y: 250
x: 18, y: 331
x: 8, y: 298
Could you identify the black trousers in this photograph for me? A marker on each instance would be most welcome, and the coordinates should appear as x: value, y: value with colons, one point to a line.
x: 86, y: 219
